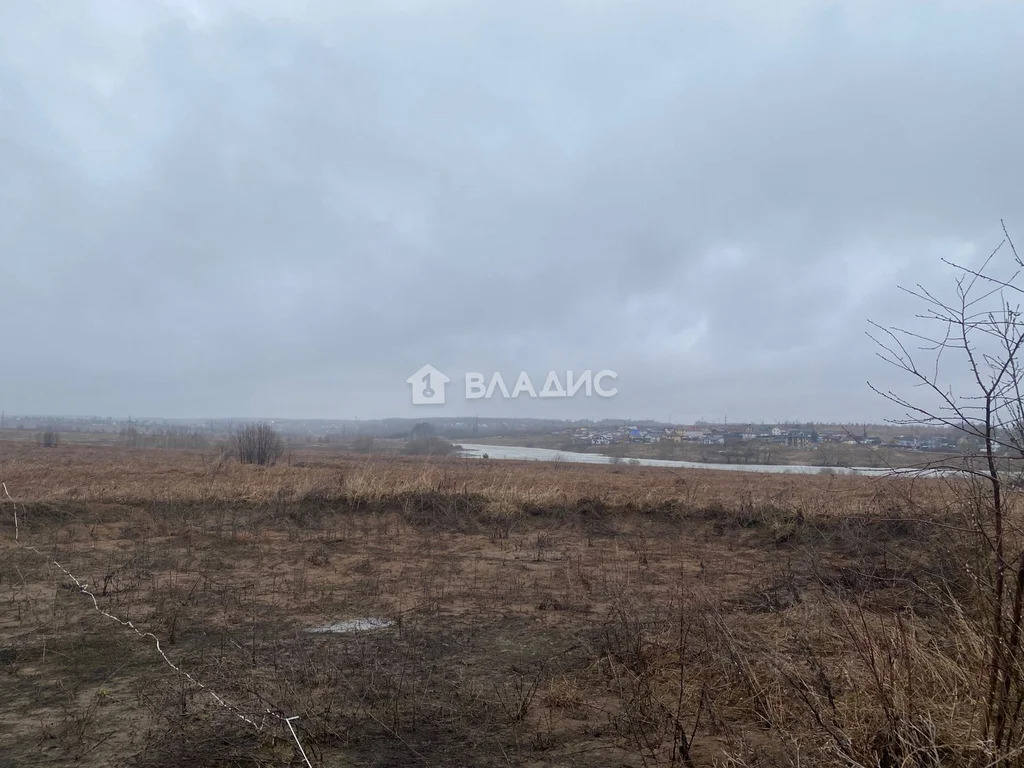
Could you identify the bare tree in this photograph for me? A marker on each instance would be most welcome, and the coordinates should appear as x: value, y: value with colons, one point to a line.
x: 978, y: 330
x: 49, y: 438
x: 257, y: 444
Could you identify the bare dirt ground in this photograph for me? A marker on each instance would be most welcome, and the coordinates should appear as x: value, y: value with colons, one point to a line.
x: 530, y: 614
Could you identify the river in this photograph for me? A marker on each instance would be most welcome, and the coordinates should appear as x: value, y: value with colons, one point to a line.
x: 477, y: 451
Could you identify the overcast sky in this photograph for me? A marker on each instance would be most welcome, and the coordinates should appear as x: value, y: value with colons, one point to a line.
x: 215, y: 209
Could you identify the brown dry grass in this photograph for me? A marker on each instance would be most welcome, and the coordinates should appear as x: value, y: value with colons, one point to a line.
x: 544, y: 614
x: 145, y: 477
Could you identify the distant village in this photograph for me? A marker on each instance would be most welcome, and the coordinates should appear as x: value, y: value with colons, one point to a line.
x: 778, y: 435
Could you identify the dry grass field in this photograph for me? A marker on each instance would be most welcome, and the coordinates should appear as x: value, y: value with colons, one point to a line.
x: 499, y: 613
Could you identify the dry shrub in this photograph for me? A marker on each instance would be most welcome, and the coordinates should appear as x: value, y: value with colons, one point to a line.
x: 501, y: 517
x: 257, y: 444
x: 565, y: 693
x: 885, y: 690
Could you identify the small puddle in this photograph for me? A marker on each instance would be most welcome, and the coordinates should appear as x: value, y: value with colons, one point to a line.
x: 366, y: 624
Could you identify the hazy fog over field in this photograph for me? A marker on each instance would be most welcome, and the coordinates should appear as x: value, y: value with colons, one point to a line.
x: 211, y: 208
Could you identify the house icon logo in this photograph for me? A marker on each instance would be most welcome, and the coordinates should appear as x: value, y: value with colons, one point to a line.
x: 428, y: 386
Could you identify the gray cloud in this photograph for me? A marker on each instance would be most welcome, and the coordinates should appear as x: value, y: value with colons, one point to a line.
x: 232, y: 211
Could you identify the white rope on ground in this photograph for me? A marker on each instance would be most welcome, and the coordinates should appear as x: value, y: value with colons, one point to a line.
x: 15, y: 510
x: 295, y: 736
x: 83, y: 588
